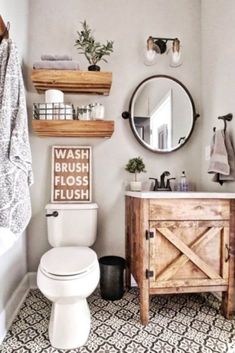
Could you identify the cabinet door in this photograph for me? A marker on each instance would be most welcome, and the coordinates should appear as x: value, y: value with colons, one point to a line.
x: 189, y: 253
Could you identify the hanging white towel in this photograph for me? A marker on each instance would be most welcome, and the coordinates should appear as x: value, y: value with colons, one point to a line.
x: 219, y: 157
x: 15, y: 157
x: 231, y: 160
x: 222, y: 161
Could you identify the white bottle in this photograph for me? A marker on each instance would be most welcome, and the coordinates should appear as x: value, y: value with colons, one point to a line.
x: 184, y: 186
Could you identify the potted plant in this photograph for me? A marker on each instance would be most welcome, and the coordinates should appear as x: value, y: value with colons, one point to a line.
x: 135, y: 166
x: 93, y: 51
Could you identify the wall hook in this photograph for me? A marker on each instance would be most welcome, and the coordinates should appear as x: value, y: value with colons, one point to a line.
x: 225, y: 118
x: 4, y: 29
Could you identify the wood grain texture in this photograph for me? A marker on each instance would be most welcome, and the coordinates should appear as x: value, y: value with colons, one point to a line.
x: 137, y: 249
x: 225, y: 253
x: 144, y: 250
x: 190, y: 283
x: 128, y: 241
x: 188, y: 252
x: 137, y: 246
x: 72, y: 81
x: 194, y: 289
x: 73, y: 128
x: 228, y: 298
x: 181, y: 260
x: 190, y: 209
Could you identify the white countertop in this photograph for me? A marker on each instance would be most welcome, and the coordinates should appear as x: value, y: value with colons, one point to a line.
x: 180, y: 195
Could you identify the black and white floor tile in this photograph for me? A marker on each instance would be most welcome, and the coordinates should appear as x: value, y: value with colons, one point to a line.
x: 178, y: 324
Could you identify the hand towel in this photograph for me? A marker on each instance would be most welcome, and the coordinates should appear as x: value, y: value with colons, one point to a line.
x: 15, y: 157
x: 219, y: 157
x: 231, y: 161
x: 54, y: 57
x: 223, y: 171
x: 56, y: 65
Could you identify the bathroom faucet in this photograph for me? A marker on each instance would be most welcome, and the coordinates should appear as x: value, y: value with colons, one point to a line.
x: 162, y: 179
x: 164, y: 184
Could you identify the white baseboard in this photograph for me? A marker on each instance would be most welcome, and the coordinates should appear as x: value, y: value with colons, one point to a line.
x: 12, y: 307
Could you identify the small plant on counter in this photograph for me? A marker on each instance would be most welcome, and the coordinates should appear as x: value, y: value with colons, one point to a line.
x: 93, y: 51
x: 135, y: 166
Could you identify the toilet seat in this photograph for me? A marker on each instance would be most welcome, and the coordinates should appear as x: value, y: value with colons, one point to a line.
x: 66, y: 263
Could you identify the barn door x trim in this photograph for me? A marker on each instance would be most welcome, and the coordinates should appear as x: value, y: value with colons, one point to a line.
x: 189, y: 253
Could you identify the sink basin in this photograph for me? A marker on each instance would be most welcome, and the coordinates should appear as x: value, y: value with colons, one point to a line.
x: 181, y: 195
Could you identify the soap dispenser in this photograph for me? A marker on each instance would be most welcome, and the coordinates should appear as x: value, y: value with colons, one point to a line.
x: 184, y: 185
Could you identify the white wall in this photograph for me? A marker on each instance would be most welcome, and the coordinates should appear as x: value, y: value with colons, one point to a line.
x: 13, y: 264
x: 218, y: 76
x: 16, y: 12
x: 53, y: 26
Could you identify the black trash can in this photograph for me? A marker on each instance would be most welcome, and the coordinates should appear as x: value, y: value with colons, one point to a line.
x: 111, y: 277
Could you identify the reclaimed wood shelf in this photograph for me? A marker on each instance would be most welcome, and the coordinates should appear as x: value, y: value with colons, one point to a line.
x: 73, y: 128
x: 72, y: 81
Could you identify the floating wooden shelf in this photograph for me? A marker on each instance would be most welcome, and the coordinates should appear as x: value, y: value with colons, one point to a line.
x: 72, y: 81
x: 73, y: 128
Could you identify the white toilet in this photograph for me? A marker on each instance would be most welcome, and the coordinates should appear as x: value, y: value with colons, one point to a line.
x: 69, y: 273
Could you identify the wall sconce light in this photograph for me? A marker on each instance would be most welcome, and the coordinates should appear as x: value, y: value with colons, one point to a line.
x: 156, y: 45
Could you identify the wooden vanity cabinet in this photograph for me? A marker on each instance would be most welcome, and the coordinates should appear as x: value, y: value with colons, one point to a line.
x: 180, y: 246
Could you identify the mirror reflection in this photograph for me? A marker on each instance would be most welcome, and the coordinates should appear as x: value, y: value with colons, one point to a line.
x: 162, y: 113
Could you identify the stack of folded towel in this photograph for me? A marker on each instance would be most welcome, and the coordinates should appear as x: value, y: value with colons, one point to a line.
x: 222, y: 159
x: 56, y: 62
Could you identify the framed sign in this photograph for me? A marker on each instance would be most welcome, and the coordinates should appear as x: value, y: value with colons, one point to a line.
x: 71, y: 174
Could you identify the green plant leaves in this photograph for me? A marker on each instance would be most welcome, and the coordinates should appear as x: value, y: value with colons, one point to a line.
x: 93, y: 51
x: 135, y: 165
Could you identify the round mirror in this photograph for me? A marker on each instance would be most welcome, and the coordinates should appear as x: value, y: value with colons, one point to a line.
x: 162, y: 113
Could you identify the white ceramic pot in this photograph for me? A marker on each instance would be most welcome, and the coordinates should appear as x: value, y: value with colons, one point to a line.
x: 135, y: 185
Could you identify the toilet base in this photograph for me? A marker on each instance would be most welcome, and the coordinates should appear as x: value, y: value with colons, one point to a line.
x: 69, y: 325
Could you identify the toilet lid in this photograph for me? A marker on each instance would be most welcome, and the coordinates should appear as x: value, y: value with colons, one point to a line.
x: 67, y: 261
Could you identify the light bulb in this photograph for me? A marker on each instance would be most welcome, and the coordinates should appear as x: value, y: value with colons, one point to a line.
x: 176, y: 54
x: 150, y: 55
x: 176, y: 59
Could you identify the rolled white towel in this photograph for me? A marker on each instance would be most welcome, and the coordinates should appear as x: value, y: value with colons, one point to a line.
x: 54, y: 57
x: 7, y: 239
x: 57, y: 65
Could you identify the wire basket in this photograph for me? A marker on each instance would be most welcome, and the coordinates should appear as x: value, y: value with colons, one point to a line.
x: 53, y: 111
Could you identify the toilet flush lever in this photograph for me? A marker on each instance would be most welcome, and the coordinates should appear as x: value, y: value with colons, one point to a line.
x: 53, y: 214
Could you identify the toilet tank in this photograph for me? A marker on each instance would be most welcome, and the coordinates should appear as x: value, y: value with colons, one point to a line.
x: 75, y: 224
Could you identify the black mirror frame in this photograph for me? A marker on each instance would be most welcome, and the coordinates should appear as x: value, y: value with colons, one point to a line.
x: 127, y: 114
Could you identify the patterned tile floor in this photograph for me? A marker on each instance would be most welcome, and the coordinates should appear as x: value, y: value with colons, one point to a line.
x: 178, y: 324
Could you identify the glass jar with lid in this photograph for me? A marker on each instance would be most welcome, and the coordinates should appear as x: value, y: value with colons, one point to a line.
x: 84, y: 112
x: 97, y: 111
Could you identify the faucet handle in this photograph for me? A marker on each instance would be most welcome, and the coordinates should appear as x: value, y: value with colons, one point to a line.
x: 156, y: 184
x: 168, y: 185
